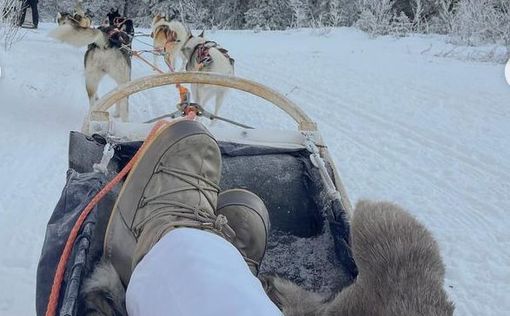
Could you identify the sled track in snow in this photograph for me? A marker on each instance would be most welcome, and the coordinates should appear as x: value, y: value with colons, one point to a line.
x: 485, y: 166
x: 461, y: 212
x: 481, y: 170
x: 447, y: 189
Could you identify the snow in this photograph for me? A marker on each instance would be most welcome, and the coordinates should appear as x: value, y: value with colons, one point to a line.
x: 507, y: 72
x: 402, y: 122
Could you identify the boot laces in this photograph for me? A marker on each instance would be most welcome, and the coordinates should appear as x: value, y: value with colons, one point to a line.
x: 188, y: 216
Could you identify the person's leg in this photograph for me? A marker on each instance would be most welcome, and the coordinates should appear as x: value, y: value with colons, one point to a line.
x: 23, y: 13
x: 175, y: 184
x: 192, y: 272
x: 35, y: 13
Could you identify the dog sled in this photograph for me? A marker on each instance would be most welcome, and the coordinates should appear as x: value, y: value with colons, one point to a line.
x: 291, y: 171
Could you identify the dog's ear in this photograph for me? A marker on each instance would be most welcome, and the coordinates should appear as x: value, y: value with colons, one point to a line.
x: 201, y: 34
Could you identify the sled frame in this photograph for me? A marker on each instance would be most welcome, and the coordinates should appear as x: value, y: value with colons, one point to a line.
x: 306, y: 125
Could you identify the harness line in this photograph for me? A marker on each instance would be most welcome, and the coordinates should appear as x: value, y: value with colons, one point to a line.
x: 53, y: 299
x: 183, y: 91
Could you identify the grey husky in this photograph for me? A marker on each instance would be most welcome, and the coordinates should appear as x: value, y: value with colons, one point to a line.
x: 107, y: 54
x: 400, y: 271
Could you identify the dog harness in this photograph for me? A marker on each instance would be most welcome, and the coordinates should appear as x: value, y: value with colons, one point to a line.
x: 118, y: 22
x: 202, y: 56
x: 117, y: 37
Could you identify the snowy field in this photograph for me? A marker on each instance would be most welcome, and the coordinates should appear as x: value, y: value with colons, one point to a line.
x: 403, y: 124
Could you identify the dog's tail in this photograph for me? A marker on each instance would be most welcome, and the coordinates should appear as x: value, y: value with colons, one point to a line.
x: 78, y: 36
x: 102, y: 293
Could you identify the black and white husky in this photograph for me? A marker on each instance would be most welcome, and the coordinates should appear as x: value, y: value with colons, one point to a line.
x: 107, y: 54
x: 400, y: 271
x: 207, y: 56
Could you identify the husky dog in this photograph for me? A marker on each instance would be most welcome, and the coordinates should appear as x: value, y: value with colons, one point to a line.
x: 81, y: 16
x: 169, y: 37
x: 120, y: 22
x: 400, y: 271
x: 107, y: 54
x: 124, y: 25
x: 208, y: 56
x: 102, y: 293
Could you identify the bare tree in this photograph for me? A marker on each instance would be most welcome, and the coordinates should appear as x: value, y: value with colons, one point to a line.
x: 9, y: 21
x: 480, y: 21
x: 418, y: 10
x: 375, y: 16
x: 299, y: 13
x: 447, y: 14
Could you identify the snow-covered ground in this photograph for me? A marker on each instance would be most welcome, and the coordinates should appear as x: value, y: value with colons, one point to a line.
x: 402, y: 123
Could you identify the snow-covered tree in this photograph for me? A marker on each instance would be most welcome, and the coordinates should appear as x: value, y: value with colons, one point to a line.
x: 418, y: 14
x: 481, y: 21
x: 337, y: 12
x: 443, y: 22
x: 229, y: 14
x: 9, y: 16
x: 96, y: 9
x: 401, y: 25
x: 375, y: 16
x: 271, y: 14
x: 300, y: 13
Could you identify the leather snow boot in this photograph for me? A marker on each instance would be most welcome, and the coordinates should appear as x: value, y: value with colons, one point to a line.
x: 248, y: 217
x: 173, y: 184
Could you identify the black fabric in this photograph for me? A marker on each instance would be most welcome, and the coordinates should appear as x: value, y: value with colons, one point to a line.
x: 280, y: 177
x: 78, y: 191
x: 80, y: 188
x: 303, y: 218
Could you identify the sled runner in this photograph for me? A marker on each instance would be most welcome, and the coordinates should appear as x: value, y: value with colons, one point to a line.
x: 291, y: 171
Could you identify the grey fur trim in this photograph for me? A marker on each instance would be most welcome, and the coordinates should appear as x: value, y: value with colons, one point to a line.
x: 400, y: 271
x: 102, y: 293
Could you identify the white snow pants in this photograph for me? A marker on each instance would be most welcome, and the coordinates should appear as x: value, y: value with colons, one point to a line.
x: 193, y: 272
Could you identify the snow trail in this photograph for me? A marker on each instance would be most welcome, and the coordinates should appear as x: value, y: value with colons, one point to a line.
x: 426, y: 132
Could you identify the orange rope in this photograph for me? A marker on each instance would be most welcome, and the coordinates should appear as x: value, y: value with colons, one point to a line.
x: 137, y: 54
x: 183, y: 91
x: 66, y: 253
